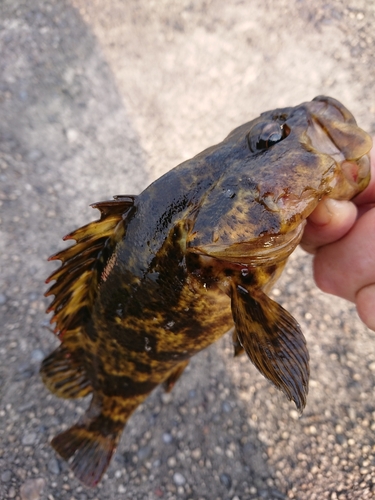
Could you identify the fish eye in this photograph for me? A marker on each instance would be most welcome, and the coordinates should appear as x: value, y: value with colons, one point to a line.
x: 266, y: 134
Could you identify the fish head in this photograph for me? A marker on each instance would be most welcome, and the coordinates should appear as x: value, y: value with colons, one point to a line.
x: 278, y: 168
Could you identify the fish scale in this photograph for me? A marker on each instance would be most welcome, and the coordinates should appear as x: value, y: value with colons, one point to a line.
x: 162, y: 275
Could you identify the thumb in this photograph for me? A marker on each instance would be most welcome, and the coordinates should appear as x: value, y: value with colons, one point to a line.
x: 329, y: 222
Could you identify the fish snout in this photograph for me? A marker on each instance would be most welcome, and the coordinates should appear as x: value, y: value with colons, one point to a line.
x: 332, y: 130
x: 341, y: 128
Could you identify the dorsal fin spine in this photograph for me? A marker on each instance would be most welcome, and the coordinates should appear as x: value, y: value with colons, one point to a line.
x: 76, y: 281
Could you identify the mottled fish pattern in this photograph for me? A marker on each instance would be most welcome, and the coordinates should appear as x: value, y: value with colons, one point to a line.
x: 162, y: 275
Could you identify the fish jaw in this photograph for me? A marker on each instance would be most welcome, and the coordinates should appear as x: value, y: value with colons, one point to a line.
x: 341, y: 127
x: 345, y: 142
x: 266, y: 250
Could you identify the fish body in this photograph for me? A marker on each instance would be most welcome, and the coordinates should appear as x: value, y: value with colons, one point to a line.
x: 164, y: 274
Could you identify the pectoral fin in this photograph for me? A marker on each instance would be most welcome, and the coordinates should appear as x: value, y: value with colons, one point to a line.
x: 237, y: 347
x: 170, y: 382
x: 273, y: 341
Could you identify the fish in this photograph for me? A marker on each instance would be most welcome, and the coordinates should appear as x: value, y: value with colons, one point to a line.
x: 162, y: 275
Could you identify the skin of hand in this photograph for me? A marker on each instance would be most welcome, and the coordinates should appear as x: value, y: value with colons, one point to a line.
x: 341, y: 235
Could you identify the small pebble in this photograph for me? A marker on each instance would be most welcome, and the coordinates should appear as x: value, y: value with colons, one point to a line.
x: 6, y: 476
x: 3, y: 299
x: 144, y: 452
x: 72, y: 135
x: 166, y: 398
x: 32, y: 489
x: 352, y: 413
x: 24, y: 371
x: 226, y: 480
x: 340, y: 439
x: 226, y: 407
x: 167, y: 438
x: 12, y: 492
x: 294, y: 414
x: 26, y: 406
x: 178, y: 479
x: 37, y: 355
x: 53, y: 466
x: 29, y: 438
x: 34, y: 154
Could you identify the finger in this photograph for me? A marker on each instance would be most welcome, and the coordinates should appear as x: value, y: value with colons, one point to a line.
x: 343, y: 268
x: 365, y: 301
x: 330, y: 221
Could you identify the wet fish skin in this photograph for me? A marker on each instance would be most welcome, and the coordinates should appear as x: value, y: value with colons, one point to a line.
x: 164, y: 274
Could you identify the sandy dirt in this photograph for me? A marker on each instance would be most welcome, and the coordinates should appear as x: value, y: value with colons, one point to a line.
x: 100, y: 98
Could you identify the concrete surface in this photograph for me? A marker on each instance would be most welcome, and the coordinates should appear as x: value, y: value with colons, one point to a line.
x: 101, y: 97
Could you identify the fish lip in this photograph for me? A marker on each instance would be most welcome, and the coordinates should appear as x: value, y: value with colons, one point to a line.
x: 357, y: 172
x: 333, y: 130
x: 330, y: 101
x: 265, y: 250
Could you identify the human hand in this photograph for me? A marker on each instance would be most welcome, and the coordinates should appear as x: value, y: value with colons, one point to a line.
x: 341, y: 235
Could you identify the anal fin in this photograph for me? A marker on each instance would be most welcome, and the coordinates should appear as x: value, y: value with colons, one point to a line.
x: 273, y: 341
x: 64, y: 375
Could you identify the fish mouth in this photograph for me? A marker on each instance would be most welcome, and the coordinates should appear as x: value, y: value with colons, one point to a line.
x: 264, y: 250
x: 333, y: 130
x: 356, y: 173
x: 338, y: 125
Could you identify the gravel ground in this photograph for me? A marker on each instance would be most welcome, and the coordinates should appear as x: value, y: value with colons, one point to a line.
x: 100, y: 98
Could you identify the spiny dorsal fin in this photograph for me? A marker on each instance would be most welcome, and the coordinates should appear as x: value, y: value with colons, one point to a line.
x: 77, y: 279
